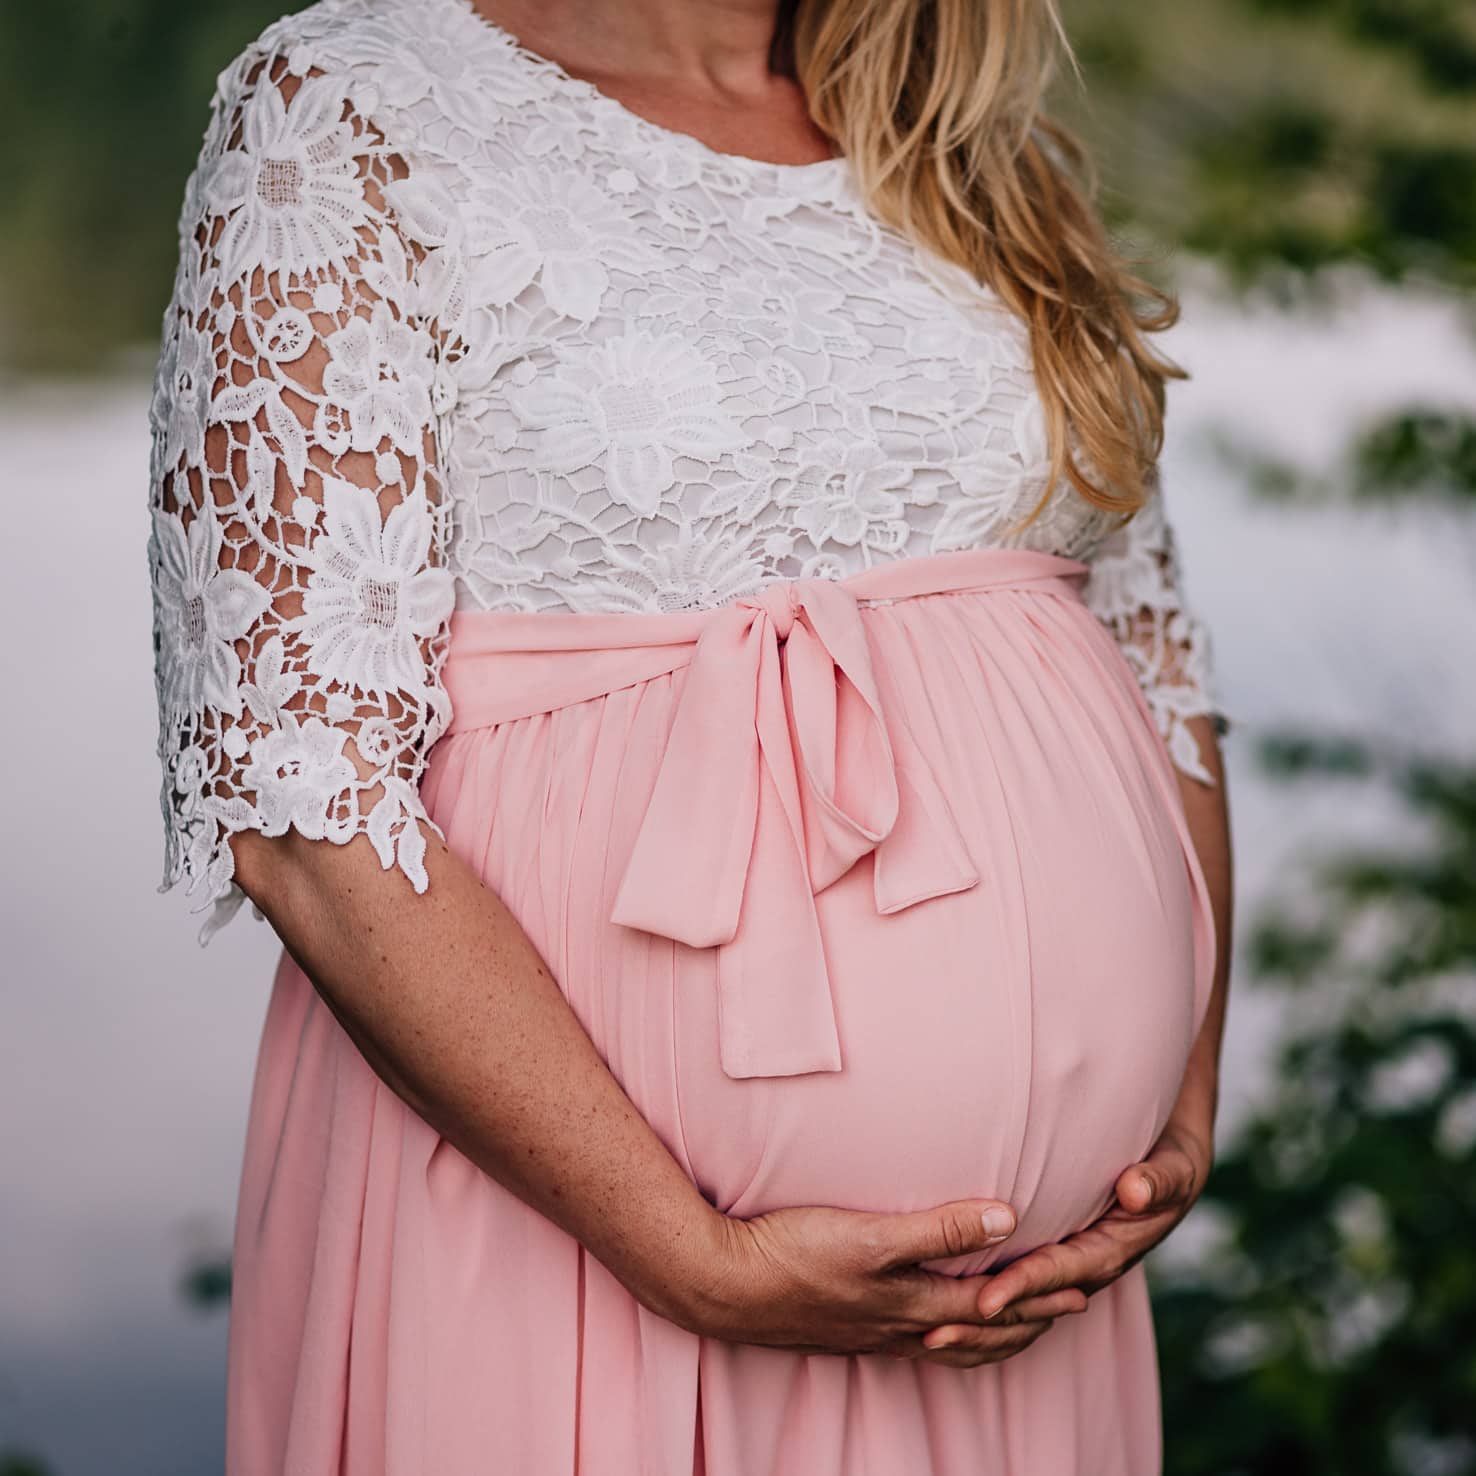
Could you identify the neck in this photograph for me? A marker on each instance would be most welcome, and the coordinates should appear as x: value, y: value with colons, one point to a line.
x: 697, y: 47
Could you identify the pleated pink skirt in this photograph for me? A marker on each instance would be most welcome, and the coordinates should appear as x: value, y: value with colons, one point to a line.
x: 899, y: 905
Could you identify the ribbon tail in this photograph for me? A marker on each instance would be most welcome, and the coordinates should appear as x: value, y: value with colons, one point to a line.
x: 684, y: 878
x: 776, y: 1014
x: 850, y: 795
x: 924, y: 854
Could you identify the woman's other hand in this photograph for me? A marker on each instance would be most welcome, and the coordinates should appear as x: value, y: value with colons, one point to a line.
x: 818, y: 1280
x: 1153, y: 1196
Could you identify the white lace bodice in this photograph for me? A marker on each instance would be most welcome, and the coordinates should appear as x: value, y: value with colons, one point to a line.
x: 453, y: 329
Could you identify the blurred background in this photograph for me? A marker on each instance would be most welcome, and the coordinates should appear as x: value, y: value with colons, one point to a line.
x: 1303, y: 173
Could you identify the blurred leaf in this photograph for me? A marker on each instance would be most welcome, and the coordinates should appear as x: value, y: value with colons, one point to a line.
x: 1287, y: 755
x: 1416, y: 450
x: 208, y: 1283
x: 22, y: 1463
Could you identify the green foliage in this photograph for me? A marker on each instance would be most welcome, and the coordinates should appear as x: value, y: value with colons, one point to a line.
x: 105, y: 103
x: 1333, y: 1326
x: 1417, y: 450
x: 1281, y: 137
x: 1438, y: 37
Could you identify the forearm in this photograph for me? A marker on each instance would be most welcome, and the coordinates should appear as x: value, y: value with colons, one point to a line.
x: 1207, y: 812
x: 450, y: 1003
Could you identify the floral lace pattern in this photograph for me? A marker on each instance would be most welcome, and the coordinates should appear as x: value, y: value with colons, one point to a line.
x: 300, y: 598
x: 453, y: 329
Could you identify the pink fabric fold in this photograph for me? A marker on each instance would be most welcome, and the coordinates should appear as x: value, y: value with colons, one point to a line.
x: 780, y: 773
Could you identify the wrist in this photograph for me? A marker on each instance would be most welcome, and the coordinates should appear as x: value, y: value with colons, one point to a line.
x: 1192, y: 1122
x: 692, y: 1281
x: 1197, y: 1104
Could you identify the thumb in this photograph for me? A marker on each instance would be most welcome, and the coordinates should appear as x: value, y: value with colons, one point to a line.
x: 952, y: 1229
x: 1139, y: 1186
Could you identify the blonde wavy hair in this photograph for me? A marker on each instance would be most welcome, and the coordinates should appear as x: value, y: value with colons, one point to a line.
x: 937, y: 104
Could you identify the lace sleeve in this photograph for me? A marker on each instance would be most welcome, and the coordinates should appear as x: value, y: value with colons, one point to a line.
x: 1136, y: 589
x: 300, y: 606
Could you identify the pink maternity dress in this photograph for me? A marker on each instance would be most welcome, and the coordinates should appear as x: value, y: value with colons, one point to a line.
x: 643, y: 518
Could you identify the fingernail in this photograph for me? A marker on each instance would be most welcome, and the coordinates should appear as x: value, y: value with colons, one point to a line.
x: 998, y: 1223
x: 946, y: 1341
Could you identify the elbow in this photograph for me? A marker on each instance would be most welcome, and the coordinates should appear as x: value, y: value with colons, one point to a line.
x: 270, y: 869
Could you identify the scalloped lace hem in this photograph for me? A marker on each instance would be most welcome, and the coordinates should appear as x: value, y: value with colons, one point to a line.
x: 223, y: 896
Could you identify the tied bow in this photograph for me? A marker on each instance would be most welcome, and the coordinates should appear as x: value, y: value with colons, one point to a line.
x: 779, y: 774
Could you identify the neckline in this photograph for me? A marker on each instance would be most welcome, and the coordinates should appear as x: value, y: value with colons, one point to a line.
x: 544, y: 69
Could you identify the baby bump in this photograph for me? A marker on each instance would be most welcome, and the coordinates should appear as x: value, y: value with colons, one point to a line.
x: 1022, y: 1039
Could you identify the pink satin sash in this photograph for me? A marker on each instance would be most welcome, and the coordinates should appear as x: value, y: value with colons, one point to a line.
x: 780, y: 772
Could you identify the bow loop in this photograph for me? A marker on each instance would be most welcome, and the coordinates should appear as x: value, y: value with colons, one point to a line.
x: 849, y: 797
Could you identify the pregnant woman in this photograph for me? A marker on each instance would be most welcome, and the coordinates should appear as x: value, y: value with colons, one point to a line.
x: 664, y: 601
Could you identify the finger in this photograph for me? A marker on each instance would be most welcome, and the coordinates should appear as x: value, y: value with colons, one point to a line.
x: 928, y: 1299
x: 1061, y: 1303
x: 1046, y: 1269
x: 985, y: 1345
x: 1147, y: 1187
x: 1064, y: 1303
x: 1156, y: 1184
x: 953, y: 1229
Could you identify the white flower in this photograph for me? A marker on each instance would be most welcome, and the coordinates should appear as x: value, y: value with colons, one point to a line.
x: 291, y: 190
x: 693, y: 573
x: 182, y: 395
x: 557, y: 227
x: 379, y: 740
x: 783, y: 310
x: 638, y: 402
x: 847, y: 493
x: 297, y: 771
x: 202, y: 610
x: 995, y: 488
x: 442, y: 60
x: 380, y: 371
x: 370, y: 596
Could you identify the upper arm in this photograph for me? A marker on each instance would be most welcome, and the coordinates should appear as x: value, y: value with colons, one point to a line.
x: 297, y: 507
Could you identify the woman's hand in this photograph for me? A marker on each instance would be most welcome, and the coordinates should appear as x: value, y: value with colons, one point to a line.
x: 817, y: 1280
x: 1152, y: 1197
